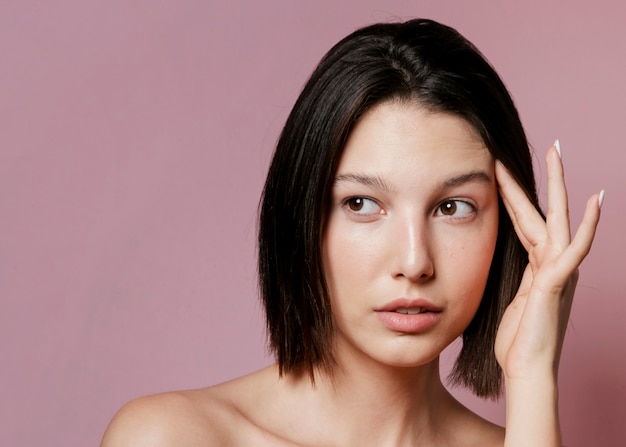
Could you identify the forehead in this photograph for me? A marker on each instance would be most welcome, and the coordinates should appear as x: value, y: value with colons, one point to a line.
x: 400, y: 134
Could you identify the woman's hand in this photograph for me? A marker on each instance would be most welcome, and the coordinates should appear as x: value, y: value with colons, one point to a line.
x: 530, y: 337
x: 531, y: 333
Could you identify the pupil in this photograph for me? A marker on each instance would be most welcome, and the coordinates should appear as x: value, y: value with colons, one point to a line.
x: 356, y: 204
x: 449, y: 208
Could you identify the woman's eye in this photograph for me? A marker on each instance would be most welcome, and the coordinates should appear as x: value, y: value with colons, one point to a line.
x: 455, y: 208
x: 362, y: 205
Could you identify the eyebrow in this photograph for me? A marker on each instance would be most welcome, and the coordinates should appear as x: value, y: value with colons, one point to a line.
x: 367, y: 180
x: 379, y: 183
x: 479, y: 176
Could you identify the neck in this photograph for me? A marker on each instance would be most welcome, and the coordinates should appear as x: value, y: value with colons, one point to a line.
x: 368, y: 403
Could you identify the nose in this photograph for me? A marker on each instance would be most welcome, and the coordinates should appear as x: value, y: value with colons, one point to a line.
x: 412, y: 250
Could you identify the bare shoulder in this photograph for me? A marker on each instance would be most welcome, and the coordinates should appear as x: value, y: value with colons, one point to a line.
x: 471, y: 430
x: 488, y: 434
x: 192, y: 418
x: 215, y: 416
x: 478, y: 432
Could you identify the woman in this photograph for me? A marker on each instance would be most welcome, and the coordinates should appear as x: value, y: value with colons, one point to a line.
x: 399, y: 213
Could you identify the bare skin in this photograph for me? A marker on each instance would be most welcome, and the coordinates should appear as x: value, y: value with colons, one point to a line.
x: 386, y: 389
x: 262, y: 410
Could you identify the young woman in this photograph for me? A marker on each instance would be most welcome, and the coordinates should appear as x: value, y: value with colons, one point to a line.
x: 399, y: 213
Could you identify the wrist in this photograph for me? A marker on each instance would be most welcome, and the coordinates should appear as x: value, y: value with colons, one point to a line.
x: 540, y: 390
x: 532, y: 416
x: 545, y: 371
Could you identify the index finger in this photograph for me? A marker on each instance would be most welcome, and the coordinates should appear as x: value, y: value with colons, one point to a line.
x: 529, y: 225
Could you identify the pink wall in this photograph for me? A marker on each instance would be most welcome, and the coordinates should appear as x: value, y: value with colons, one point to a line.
x: 134, y: 138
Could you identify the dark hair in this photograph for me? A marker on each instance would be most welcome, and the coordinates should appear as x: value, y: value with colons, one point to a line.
x: 420, y: 61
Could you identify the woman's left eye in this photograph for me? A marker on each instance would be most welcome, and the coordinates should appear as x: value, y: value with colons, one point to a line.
x: 455, y: 208
x: 362, y: 205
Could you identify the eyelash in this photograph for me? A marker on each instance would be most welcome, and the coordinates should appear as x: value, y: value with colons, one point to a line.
x: 455, y: 202
x: 352, y: 200
x: 439, y: 210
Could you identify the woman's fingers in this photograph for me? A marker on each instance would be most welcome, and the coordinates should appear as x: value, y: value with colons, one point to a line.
x: 529, y: 225
x: 581, y: 244
x: 557, y: 218
x: 550, y: 239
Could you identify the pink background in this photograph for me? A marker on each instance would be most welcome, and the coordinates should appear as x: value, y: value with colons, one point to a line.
x: 134, y: 139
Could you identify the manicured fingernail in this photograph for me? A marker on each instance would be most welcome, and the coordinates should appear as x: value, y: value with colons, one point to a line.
x: 557, y: 145
x: 601, y: 198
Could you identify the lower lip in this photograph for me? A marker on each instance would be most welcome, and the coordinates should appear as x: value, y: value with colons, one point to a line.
x: 409, y: 323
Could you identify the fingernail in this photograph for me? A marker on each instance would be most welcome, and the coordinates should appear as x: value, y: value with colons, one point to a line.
x: 601, y: 198
x: 557, y: 145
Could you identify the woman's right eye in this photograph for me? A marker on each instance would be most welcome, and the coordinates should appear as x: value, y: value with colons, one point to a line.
x: 362, y: 205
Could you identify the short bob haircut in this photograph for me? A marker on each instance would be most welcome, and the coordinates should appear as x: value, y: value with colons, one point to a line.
x: 419, y: 61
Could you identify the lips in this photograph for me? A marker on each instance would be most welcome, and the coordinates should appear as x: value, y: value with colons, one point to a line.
x: 409, y: 316
x: 409, y: 306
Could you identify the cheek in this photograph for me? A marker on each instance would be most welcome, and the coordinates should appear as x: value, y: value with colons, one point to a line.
x: 341, y: 270
x: 336, y: 256
x: 466, y: 284
x: 470, y: 257
x: 349, y: 251
x: 483, y: 260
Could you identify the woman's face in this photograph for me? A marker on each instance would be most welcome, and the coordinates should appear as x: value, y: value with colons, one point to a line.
x: 410, y: 235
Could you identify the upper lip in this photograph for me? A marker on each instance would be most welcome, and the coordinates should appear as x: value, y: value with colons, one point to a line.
x: 408, y: 303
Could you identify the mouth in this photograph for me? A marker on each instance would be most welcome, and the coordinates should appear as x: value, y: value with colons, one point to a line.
x: 410, y: 310
x: 406, y: 306
x: 409, y: 316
